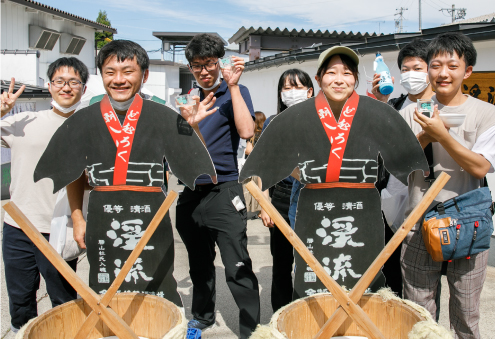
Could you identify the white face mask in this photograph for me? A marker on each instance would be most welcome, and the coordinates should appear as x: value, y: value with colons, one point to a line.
x: 294, y: 96
x: 217, y: 82
x: 414, y: 82
x: 124, y: 105
x: 64, y: 109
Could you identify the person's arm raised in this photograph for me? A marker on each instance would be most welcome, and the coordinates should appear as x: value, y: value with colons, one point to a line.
x: 473, y: 163
x: 8, y: 98
x: 194, y: 114
x: 242, y: 116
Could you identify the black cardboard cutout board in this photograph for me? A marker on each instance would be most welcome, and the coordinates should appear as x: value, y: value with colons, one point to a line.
x: 343, y: 227
x: 118, y: 219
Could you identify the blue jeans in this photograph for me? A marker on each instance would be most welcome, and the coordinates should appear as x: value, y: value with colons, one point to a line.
x: 23, y: 264
x: 294, y: 197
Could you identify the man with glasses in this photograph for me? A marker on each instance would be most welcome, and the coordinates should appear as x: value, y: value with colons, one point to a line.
x: 216, y: 213
x: 27, y: 135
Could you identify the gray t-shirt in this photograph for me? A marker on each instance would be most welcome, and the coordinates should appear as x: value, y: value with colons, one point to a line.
x: 27, y: 134
x: 480, y: 118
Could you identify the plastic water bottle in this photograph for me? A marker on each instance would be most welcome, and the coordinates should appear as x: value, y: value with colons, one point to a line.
x: 386, y: 84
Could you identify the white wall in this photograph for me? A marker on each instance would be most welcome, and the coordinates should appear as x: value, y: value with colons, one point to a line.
x: 262, y: 83
x: 163, y: 81
x: 15, y: 35
x: 23, y: 67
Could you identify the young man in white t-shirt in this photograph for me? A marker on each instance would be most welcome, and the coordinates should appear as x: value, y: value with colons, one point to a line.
x: 467, y: 154
x: 413, y: 76
x: 27, y: 134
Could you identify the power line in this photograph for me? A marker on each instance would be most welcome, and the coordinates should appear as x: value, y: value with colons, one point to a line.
x: 399, y: 28
x: 461, y: 12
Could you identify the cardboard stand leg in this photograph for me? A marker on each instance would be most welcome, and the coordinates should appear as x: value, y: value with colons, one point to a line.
x: 339, y: 316
x: 98, y: 305
x: 348, y: 306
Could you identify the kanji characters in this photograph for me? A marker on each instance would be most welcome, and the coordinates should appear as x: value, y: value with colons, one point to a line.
x: 324, y: 112
x: 109, y: 117
x: 135, y: 272
x: 343, y: 232
x: 342, y: 266
x: 130, y: 231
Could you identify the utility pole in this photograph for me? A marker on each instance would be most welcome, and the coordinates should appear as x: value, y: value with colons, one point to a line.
x: 419, y: 15
x: 461, y: 12
x: 399, y: 28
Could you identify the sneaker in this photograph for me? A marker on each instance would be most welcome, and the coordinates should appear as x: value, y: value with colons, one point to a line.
x: 200, y: 326
x: 13, y: 329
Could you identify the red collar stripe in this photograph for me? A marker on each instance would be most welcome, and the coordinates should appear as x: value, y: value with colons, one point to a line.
x: 123, y: 136
x: 337, y: 133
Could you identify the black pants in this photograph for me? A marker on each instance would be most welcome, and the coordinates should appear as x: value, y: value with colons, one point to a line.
x: 391, y: 270
x: 207, y: 216
x: 23, y: 264
x: 282, y: 252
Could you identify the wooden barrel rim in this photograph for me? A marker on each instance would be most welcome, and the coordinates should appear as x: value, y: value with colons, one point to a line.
x: 368, y: 296
x: 80, y: 302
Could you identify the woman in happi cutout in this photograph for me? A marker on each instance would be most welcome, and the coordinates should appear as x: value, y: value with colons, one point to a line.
x: 334, y: 141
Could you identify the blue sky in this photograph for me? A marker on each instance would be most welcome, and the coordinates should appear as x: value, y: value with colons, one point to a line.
x: 137, y: 19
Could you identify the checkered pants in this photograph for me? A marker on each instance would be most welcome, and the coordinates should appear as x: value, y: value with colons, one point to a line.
x: 421, y: 276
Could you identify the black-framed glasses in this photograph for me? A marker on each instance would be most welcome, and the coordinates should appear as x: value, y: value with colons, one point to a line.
x: 198, y: 68
x: 73, y: 83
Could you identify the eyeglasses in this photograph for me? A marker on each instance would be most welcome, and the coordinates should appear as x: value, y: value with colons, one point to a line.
x: 209, y: 67
x: 73, y: 83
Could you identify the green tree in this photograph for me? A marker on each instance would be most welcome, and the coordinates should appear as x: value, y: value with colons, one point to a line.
x: 100, y: 36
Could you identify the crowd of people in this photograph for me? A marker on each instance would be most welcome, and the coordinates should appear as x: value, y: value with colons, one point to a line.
x: 212, y: 211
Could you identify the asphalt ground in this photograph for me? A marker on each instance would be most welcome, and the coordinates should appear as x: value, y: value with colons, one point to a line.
x: 227, y: 325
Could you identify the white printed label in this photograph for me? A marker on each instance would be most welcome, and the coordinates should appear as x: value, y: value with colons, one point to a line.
x: 385, y: 77
x: 103, y: 278
x: 309, y: 277
x: 238, y: 204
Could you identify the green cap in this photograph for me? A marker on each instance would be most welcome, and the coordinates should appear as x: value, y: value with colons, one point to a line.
x: 337, y: 50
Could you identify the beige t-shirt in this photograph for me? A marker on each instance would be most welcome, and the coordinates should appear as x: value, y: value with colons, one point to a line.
x: 27, y: 134
x: 480, y: 117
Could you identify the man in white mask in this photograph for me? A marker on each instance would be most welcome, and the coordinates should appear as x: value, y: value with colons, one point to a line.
x: 414, y: 79
x: 414, y: 76
x: 27, y: 135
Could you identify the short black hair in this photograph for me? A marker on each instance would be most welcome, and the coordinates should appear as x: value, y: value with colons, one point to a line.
x: 418, y: 48
x: 292, y: 74
x: 124, y: 49
x: 450, y: 43
x: 204, y: 46
x: 77, y: 65
x: 347, y: 61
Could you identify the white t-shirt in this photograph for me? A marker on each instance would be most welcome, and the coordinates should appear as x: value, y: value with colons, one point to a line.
x: 27, y: 134
x: 476, y: 133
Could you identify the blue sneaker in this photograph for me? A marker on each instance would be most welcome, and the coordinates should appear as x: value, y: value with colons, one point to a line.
x: 193, y: 333
x: 200, y: 326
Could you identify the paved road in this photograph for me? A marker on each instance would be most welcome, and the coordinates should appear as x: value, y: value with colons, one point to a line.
x: 227, y: 313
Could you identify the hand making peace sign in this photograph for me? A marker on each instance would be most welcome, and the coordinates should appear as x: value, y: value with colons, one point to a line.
x: 9, y: 98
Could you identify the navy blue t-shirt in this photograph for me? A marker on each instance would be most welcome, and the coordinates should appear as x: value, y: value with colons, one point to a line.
x: 220, y: 134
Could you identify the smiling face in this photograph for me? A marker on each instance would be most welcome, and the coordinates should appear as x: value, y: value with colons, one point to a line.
x: 337, y: 81
x: 66, y: 96
x: 122, y: 79
x: 447, y: 72
x: 206, y: 78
